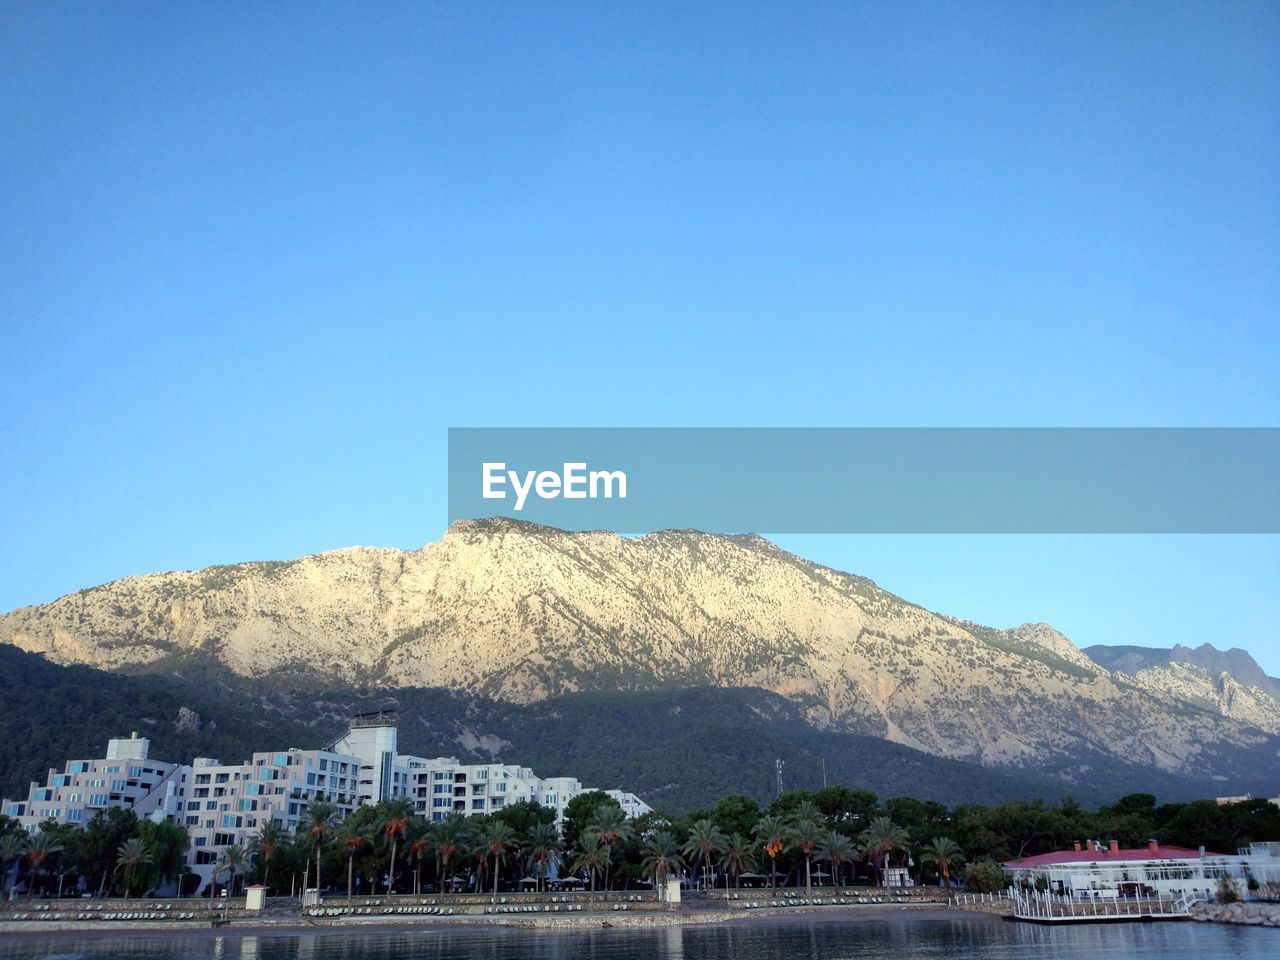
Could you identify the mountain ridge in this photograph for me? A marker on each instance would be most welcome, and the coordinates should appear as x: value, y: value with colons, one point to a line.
x: 517, y: 613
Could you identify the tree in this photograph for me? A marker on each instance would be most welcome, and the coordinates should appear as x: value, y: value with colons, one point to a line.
x: 265, y: 844
x: 580, y: 811
x: 13, y: 846
x: 845, y: 808
x: 661, y: 858
x: 590, y: 857
x: 705, y: 841
x: 351, y: 836
x: 543, y: 847
x: 419, y: 848
x: 836, y: 849
x: 944, y: 853
x: 609, y: 826
x: 805, y: 836
x: 738, y: 856
x: 396, y: 813
x: 40, y: 847
x: 985, y: 876
x: 230, y: 861
x: 320, y: 815
x: 771, y: 833
x: 95, y: 846
x: 167, y: 843
x: 880, y: 838
x: 736, y: 813
x: 446, y: 836
x: 524, y: 815
x: 132, y: 854
x: 498, y: 838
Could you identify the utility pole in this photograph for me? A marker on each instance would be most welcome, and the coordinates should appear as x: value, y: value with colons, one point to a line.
x: 778, y: 764
x: 824, y: 773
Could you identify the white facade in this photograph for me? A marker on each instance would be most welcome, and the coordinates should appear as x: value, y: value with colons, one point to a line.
x: 225, y: 804
x: 1097, y: 872
x: 443, y: 785
x: 229, y: 803
x: 372, y: 738
x: 126, y: 777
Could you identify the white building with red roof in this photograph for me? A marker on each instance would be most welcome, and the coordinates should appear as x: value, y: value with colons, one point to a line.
x: 1093, y: 871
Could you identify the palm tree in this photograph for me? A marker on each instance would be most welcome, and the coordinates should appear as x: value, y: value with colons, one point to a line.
x: 132, y: 854
x: 13, y: 846
x: 446, y: 836
x: 807, y: 811
x: 396, y: 814
x: 39, y: 847
x: 661, y: 858
x: 805, y: 836
x: 544, y: 848
x: 352, y: 839
x: 268, y: 840
x: 610, y: 825
x: 590, y: 857
x: 479, y: 854
x: 945, y: 854
x: 231, y: 861
x: 320, y: 814
x: 738, y: 856
x: 497, y: 838
x: 882, y: 836
x: 419, y: 847
x: 705, y: 840
x: 771, y: 833
x: 837, y: 850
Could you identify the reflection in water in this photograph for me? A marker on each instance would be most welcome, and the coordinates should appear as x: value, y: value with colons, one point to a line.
x: 950, y: 936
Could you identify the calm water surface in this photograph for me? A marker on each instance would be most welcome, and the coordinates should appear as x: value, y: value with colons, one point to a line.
x: 899, y: 937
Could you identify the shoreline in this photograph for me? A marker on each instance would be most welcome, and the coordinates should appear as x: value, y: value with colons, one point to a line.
x: 293, y: 926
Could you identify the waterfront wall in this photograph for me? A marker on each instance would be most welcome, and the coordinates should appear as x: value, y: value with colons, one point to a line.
x: 1251, y: 914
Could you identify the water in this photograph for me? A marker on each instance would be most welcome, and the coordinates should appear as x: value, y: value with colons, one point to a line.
x: 901, y: 937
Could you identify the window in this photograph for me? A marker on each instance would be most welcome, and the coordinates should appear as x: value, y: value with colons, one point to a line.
x: 477, y: 804
x: 75, y: 815
x: 201, y: 841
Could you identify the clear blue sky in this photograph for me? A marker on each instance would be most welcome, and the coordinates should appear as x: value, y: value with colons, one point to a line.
x: 256, y: 258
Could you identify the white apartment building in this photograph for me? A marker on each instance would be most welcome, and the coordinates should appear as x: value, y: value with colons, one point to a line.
x: 224, y: 804
x: 443, y: 785
x: 125, y: 777
x: 228, y: 804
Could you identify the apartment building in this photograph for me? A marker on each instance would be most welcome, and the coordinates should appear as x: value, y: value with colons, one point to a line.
x: 222, y: 804
x: 229, y: 803
x: 126, y: 777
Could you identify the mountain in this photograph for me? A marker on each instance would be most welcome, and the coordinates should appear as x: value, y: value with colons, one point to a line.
x: 679, y: 749
x: 512, y: 613
x: 1235, y: 663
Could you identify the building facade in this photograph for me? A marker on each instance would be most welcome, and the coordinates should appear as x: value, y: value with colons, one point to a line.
x: 222, y: 804
x: 126, y: 777
x: 1092, y: 871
